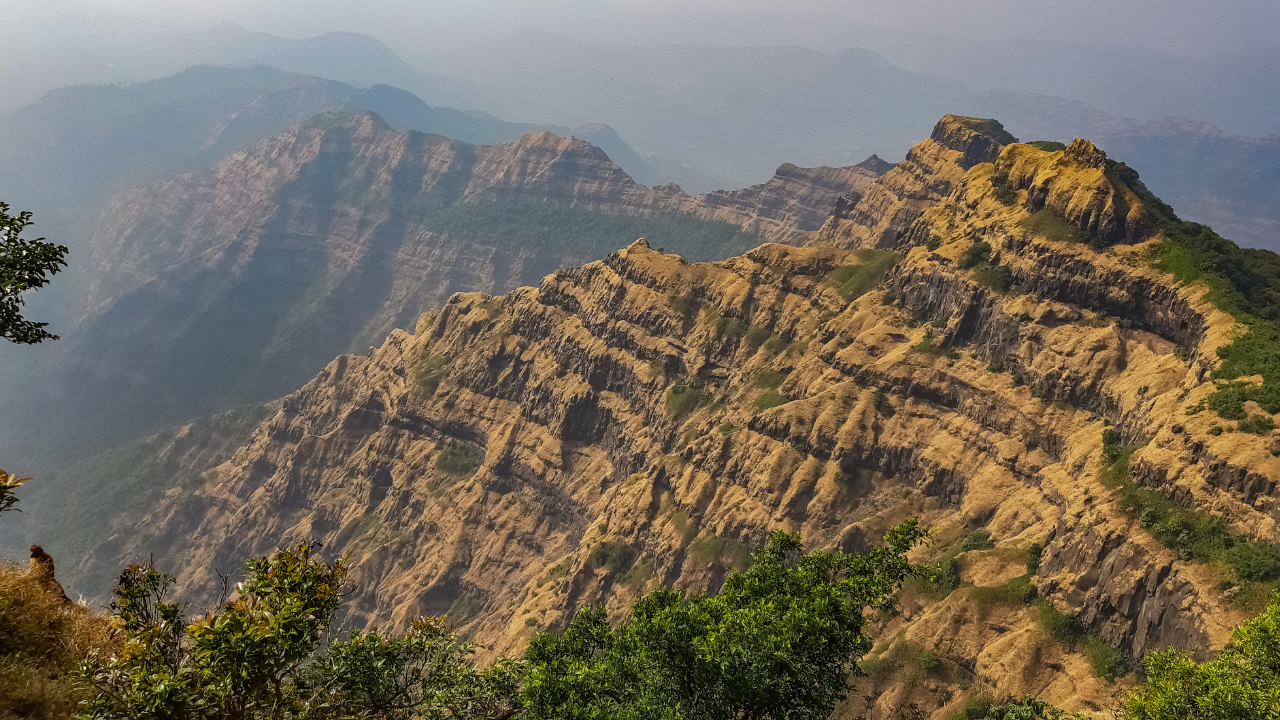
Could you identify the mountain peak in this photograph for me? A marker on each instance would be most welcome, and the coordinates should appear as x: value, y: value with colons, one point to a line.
x: 978, y: 139
x: 875, y: 165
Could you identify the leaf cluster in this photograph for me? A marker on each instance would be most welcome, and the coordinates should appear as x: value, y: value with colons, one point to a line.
x: 25, y: 265
x: 9, y: 485
x: 779, y: 641
x: 258, y: 655
x: 1243, y: 683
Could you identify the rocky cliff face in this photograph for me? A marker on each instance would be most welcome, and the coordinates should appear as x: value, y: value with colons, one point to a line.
x: 641, y: 419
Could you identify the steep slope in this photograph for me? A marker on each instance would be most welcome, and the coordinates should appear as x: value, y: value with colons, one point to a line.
x: 641, y: 419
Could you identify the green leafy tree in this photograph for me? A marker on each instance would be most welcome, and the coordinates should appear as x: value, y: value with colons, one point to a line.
x: 258, y: 656
x: 1028, y: 709
x: 1242, y: 683
x: 25, y: 265
x: 779, y: 642
x: 424, y: 674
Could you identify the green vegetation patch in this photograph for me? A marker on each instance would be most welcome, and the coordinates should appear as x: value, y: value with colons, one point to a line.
x: 979, y: 539
x: 726, y: 552
x: 1050, y: 224
x: 615, y: 557
x: 995, y: 277
x: 1192, y: 535
x: 1004, y: 192
x: 724, y: 327
x: 770, y: 399
x: 979, y: 707
x: 1018, y: 591
x: 430, y: 371
x: 683, y: 399
x: 853, y: 281
x: 1242, y: 282
x: 459, y: 461
x: 1108, y: 662
x: 929, y: 346
x: 769, y: 378
x: 757, y: 336
x: 1035, y: 553
x: 1257, y: 424
x: 940, y: 578
x: 880, y: 401
x: 686, y: 306
x: 1048, y: 145
x: 777, y: 344
x: 558, y: 571
x: 978, y: 252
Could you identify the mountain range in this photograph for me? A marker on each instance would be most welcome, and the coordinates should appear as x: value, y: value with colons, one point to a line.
x: 996, y: 337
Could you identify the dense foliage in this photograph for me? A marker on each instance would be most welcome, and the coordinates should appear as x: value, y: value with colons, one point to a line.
x: 779, y: 641
x: 25, y: 265
x: 1243, y: 683
x: 257, y: 655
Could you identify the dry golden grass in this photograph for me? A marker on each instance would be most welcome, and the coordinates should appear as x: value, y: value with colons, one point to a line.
x: 42, y: 640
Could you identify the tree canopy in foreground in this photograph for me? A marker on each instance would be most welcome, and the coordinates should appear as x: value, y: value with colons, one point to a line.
x: 780, y: 641
x: 25, y: 265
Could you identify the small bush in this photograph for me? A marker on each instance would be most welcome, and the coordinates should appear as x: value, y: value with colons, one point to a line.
x: 776, y: 344
x: 1004, y: 193
x: 996, y: 277
x: 756, y: 336
x: 1253, y: 561
x: 726, y: 552
x: 1018, y: 591
x: 934, y: 243
x: 1257, y: 424
x: 1034, y: 554
x: 429, y: 372
x: 1107, y: 661
x: 979, y: 539
x: 686, y: 306
x: 683, y: 399
x: 880, y: 401
x: 1060, y: 626
x: 928, y: 346
x: 978, y: 252
x: 615, y: 557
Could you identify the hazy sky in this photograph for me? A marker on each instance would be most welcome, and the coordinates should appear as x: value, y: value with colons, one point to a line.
x: 1180, y: 26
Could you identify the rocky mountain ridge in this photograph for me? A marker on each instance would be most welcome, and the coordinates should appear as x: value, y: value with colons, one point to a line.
x: 235, y: 284
x: 972, y: 341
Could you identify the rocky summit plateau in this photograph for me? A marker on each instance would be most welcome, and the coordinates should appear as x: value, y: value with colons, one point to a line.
x: 1007, y: 340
